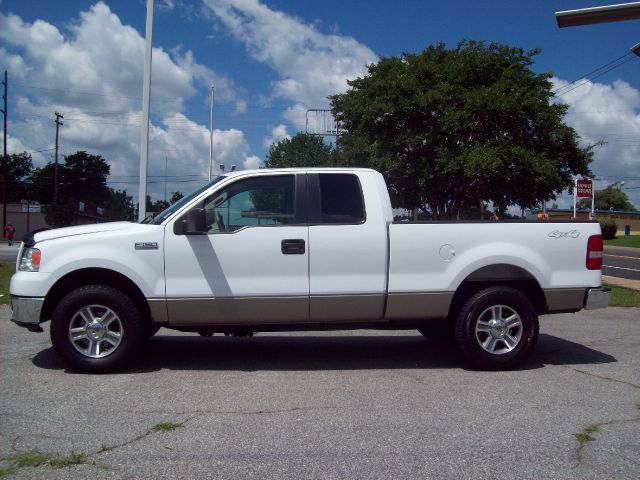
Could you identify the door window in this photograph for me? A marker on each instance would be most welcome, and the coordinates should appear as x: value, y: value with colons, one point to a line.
x: 267, y: 200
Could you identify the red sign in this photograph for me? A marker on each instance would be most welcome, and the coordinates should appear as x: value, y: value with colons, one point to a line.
x: 585, y: 188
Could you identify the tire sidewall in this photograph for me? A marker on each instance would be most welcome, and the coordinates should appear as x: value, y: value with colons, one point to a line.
x: 124, y: 308
x: 465, y: 334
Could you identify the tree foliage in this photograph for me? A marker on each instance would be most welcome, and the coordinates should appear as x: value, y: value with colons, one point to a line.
x: 83, y: 177
x: 175, y: 196
x: 302, y: 150
x: 19, y: 167
x: 119, y: 206
x: 156, y: 206
x: 452, y: 128
x: 60, y: 213
x: 609, y: 198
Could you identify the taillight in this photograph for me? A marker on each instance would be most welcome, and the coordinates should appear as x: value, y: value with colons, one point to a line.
x: 594, y: 252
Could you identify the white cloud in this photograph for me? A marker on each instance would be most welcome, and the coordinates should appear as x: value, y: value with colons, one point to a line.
x: 610, y: 113
x: 92, y: 74
x: 311, y: 64
x: 278, y: 133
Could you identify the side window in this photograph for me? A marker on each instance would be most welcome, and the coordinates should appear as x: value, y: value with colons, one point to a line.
x: 265, y: 200
x: 341, y: 198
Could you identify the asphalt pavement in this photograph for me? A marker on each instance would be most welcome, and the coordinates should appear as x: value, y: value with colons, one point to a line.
x: 9, y: 253
x: 622, y: 262
x: 348, y: 405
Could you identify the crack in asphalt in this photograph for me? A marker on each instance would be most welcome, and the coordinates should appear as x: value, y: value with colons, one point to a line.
x: 598, y: 426
x: 604, y: 377
x: 196, y: 414
x: 139, y: 437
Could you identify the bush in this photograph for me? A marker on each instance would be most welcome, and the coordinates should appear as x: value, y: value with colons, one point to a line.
x: 609, y: 229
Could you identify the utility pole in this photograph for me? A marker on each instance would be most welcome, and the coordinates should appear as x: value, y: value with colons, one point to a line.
x: 4, y: 154
x: 55, y: 168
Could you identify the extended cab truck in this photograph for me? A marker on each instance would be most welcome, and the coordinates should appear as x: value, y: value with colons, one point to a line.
x: 302, y: 249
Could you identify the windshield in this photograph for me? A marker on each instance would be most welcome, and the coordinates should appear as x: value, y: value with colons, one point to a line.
x: 162, y: 216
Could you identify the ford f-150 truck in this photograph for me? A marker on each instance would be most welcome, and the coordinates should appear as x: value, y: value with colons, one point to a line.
x: 302, y: 249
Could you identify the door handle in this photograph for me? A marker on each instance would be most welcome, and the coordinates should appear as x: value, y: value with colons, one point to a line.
x: 292, y: 246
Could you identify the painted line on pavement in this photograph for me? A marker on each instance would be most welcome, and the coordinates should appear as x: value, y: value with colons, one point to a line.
x: 620, y: 256
x: 621, y: 268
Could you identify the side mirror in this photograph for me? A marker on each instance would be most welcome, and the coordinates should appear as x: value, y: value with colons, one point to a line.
x: 192, y: 223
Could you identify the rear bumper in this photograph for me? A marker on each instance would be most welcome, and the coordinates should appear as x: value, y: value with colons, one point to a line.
x: 597, y: 298
x: 25, y: 311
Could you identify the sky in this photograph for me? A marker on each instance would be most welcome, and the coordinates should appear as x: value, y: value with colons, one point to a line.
x: 270, y: 62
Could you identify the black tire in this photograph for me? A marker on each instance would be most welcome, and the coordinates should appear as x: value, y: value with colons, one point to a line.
x: 107, y: 343
x: 440, y: 332
x: 497, y: 328
x: 151, y: 329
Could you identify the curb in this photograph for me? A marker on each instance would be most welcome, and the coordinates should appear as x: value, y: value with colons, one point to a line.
x: 621, y: 282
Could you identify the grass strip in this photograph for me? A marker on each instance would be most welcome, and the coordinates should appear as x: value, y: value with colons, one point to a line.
x: 624, y: 297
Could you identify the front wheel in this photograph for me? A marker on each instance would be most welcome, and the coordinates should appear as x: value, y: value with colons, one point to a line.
x: 97, y: 329
x: 497, y: 328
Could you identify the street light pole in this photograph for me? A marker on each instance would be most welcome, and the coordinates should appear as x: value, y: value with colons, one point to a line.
x: 211, y: 136
x: 146, y: 100
x: 5, y: 83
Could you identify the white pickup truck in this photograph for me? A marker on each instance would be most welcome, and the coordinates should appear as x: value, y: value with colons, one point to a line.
x: 302, y: 249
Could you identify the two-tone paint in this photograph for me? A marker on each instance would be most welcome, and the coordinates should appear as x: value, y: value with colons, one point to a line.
x: 372, y: 272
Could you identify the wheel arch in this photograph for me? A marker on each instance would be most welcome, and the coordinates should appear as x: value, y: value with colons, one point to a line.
x: 94, y: 276
x: 499, y: 274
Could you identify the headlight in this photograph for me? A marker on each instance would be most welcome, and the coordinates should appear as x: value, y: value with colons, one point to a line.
x: 30, y: 260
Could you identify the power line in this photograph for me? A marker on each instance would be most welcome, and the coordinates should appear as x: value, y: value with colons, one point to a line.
x: 598, y: 72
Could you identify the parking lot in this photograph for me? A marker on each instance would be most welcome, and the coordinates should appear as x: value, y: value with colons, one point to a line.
x: 335, y: 405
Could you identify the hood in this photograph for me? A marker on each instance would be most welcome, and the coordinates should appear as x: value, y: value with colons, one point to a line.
x: 79, y: 230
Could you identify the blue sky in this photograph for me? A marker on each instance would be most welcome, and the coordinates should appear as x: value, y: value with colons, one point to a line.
x: 270, y: 61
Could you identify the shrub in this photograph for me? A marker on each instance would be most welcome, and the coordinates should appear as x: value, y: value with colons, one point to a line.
x: 609, y: 229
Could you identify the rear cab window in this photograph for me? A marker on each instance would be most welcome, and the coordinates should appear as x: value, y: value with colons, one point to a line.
x: 341, y: 201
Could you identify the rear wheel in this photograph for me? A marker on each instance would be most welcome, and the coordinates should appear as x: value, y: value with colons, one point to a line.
x: 497, y: 328
x: 97, y: 329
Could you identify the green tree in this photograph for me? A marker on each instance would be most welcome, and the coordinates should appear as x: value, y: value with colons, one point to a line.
x: 60, y: 213
x: 83, y: 177
x: 302, y: 150
x: 19, y: 167
x: 175, y: 196
x: 609, y: 198
x: 157, y: 206
x: 119, y: 206
x: 451, y: 128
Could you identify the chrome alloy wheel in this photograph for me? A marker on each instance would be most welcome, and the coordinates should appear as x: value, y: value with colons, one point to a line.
x: 499, y: 329
x: 95, y: 331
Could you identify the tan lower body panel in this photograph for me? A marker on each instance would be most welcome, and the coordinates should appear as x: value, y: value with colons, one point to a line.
x: 409, y: 306
x: 563, y: 299
x: 273, y: 310
x: 246, y: 310
x: 158, y: 309
x: 332, y: 308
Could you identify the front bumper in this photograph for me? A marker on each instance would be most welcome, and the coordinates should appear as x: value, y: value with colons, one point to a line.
x: 25, y: 311
x: 597, y: 298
